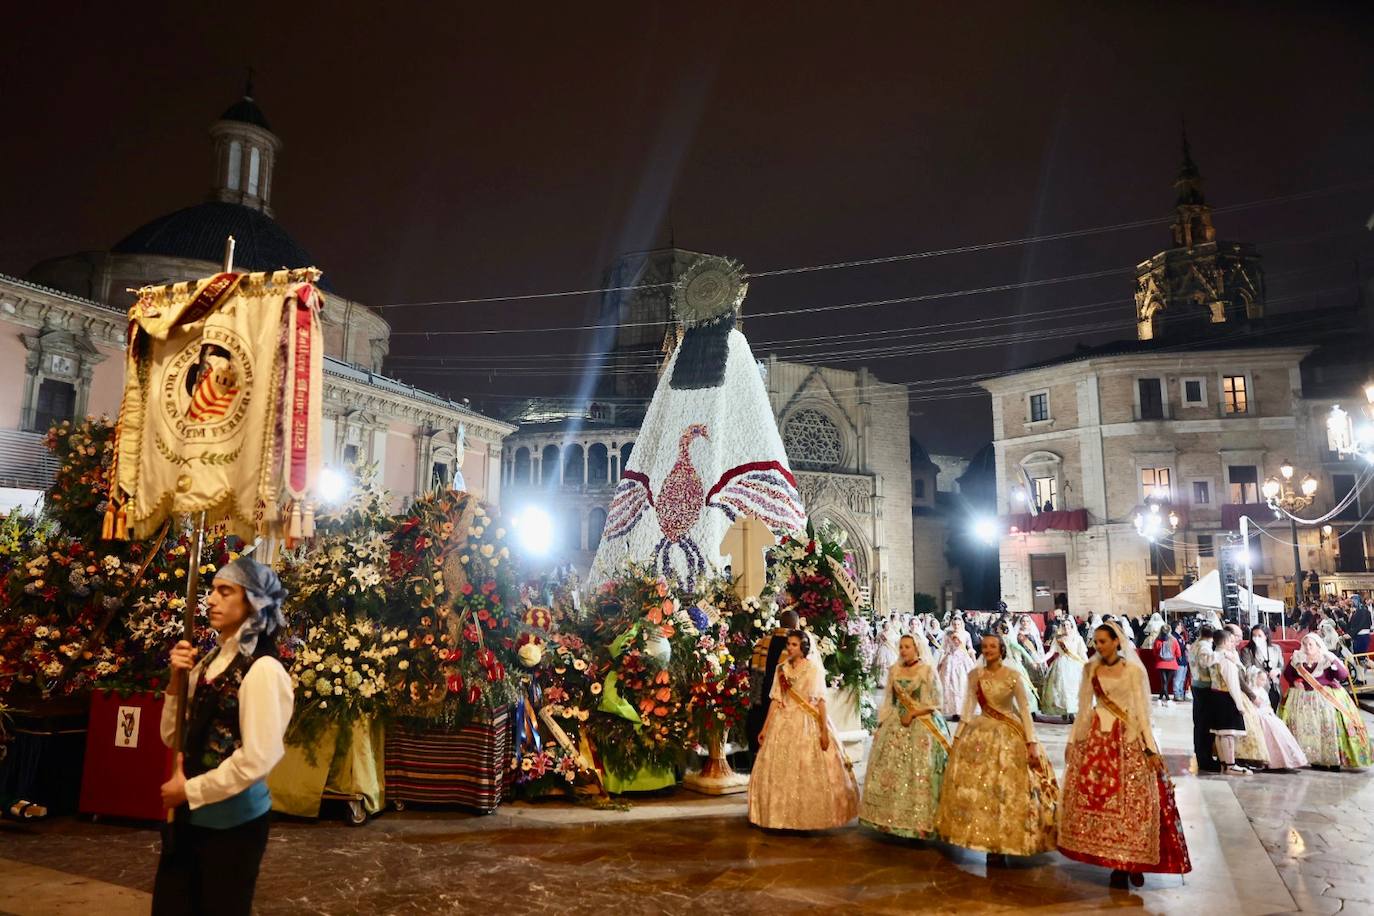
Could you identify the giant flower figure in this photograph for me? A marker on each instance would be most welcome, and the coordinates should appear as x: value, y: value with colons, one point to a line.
x: 708, y: 451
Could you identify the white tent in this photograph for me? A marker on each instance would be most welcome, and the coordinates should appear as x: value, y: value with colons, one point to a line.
x: 1205, y: 595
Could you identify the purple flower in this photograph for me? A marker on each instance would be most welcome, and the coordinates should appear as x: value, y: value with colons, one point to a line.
x: 699, y: 619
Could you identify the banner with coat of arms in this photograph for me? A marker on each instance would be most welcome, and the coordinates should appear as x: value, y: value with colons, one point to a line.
x: 222, y: 405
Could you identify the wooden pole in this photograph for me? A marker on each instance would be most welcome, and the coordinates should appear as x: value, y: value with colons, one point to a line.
x: 188, y: 619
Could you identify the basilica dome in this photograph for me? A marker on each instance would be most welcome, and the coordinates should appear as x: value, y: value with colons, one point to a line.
x: 198, y: 233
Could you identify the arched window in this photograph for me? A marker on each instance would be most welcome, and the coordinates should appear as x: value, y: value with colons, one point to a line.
x: 521, y: 473
x: 234, y: 176
x: 548, y: 465
x: 596, y: 523
x: 254, y: 166
x: 625, y: 456
x: 812, y: 440
x: 598, y: 466
x: 572, y: 466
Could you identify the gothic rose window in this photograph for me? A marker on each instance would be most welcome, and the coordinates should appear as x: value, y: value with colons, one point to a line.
x: 812, y: 440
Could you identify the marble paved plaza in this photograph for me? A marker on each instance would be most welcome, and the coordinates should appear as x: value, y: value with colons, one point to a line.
x: 1283, y: 843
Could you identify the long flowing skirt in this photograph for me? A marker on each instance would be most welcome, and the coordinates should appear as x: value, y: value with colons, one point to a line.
x: 1118, y: 811
x: 906, y: 766
x: 954, y: 672
x: 1253, y: 748
x: 1326, y: 734
x: 1060, y: 696
x: 993, y: 799
x: 794, y: 784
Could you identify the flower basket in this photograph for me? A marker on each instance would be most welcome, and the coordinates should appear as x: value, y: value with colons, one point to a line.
x: 466, y: 767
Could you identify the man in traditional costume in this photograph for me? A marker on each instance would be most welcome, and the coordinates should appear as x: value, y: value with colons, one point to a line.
x: 762, y: 667
x: 240, y: 702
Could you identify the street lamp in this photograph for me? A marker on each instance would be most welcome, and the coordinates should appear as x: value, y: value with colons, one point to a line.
x: 1152, y: 525
x: 1284, y: 498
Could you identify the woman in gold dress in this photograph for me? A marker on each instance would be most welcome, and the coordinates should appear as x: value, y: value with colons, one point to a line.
x: 801, y: 779
x: 999, y: 795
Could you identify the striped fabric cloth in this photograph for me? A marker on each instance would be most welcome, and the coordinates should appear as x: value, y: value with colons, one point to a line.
x: 467, y: 767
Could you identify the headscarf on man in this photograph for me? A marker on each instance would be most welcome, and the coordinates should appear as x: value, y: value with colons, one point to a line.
x: 265, y: 595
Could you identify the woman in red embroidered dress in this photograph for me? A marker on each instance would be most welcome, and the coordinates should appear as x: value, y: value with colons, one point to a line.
x: 1118, y: 808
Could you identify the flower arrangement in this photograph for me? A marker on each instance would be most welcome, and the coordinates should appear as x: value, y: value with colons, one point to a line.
x: 560, y: 690
x: 673, y: 680
x: 81, y: 488
x: 455, y: 592
x: 811, y: 574
x: 343, y: 670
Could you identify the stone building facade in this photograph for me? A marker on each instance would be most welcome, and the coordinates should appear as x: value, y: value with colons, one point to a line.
x: 62, y: 337
x: 1193, y: 416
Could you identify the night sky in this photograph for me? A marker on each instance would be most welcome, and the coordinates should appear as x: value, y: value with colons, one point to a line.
x: 463, y: 153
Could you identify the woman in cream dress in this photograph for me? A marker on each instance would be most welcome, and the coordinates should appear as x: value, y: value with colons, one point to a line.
x: 1068, y: 655
x: 956, y: 661
x: 801, y: 779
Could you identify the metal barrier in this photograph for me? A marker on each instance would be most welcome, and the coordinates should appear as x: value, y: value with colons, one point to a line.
x: 1364, y: 660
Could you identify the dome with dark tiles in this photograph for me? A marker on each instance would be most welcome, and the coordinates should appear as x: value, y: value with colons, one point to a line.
x: 247, y: 111
x: 198, y: 232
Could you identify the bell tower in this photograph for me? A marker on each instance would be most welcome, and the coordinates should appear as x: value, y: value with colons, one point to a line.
x: 1200, y: 282
x: 245, y: 154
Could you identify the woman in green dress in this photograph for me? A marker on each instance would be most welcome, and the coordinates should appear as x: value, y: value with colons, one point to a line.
x: 907, y: 761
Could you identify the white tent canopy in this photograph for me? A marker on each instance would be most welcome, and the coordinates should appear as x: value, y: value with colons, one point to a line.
x: 1205, y: 595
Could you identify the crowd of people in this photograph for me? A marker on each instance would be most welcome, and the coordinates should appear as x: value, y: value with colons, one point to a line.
x: 955, y: 757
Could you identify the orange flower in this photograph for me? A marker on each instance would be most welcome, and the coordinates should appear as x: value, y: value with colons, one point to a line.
x: 655, y: 615
x: 661, y: 710
x: 646, y: 705
x: 662, y: 589
x: 662, y: 678
x: 667, y: 630
x: 663, y: 694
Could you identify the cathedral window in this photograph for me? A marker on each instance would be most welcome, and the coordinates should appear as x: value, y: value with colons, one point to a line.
x: 254, y: 166
x: 812, y: 440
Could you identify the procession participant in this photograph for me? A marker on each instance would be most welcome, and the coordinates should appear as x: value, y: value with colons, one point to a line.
x: 1019, y: 659
x: 240, y: 702
x: 1068, y: 655
x: 764, y: 662
x: 1229, y: 692
x: 956, y: 661
x: 801, y: 779
x: 1261, y: 653
x: 1267, y: 743
x: 1200, y: 669
x: 1118, y: 808
x: 1325, y: 721
x: 999, y: 794
x: 910, y: 748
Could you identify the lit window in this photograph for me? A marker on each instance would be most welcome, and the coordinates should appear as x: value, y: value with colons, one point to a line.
x: 1202, y: 493
x: 1233, y: 394
x: 1039, y: 407
x: 1155, y: 484
x: 235, y: 164
x: 1046, y: 493
x: 254, y: 165
x: 1244, y: 483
